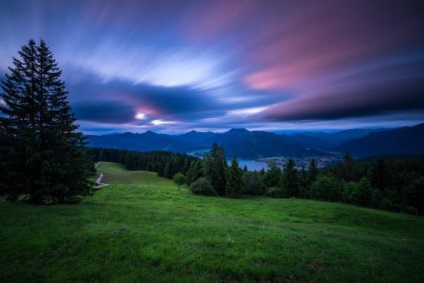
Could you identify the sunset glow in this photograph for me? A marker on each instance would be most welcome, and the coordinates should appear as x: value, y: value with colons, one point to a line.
x: 215, y: 65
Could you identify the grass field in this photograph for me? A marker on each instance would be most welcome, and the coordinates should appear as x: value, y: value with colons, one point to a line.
x: 140, y: 228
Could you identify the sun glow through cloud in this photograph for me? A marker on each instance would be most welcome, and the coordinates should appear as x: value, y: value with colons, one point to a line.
x: 247, y: 111
x: 159, y: 122
x: 140, y: 116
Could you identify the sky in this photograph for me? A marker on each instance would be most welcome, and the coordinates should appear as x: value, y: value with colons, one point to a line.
x: 174, y: 66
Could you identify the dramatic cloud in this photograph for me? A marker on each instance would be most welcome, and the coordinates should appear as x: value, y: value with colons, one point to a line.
x: 113, y: 112
x: 174, y: 66
x: 393, y: 88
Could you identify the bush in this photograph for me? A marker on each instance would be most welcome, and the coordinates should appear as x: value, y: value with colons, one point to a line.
x: 253, y: 184
x: 274, y: 192
x: 350, y: 189
x: 366, y: 195
x: 327, y: 188
x: 202, y: 187
x: 179, y: 179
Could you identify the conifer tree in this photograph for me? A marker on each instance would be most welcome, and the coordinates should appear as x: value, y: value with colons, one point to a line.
x: 234, y: 179
x: 290, y: 180
x: 195, y: 172
x: 273, y: 175
x: 312, y: 172
x: 347, y: 168
x: 44, y: 153
x: 215, y: 167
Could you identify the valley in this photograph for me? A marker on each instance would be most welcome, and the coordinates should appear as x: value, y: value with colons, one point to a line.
x: 260, y: 145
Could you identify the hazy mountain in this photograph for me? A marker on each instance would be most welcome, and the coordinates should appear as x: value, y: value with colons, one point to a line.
x: 245, y: 144
x: 320, y: 140
x: 406, y: 140
x: 237, y: 142
x: 256, y: 144
x: 197, y: 139
x: 147, y: 141
x: 317, y: 141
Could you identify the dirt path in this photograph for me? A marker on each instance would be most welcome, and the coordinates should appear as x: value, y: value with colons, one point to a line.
x: 99, y: 179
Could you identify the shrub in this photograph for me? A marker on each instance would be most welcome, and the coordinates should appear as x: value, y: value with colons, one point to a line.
x: 274, y: 192
x: 273, y: 175
x: 327, y: 188
x: 365, y: 195
x: 253, y: 184
x: 179, y: 179
x: 202, y: 187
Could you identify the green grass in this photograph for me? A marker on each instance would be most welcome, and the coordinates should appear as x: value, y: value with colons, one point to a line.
x: 118, y: 174
x: 140, y: 228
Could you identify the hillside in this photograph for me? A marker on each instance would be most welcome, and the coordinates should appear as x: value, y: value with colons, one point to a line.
x: 140, y: 228
x: 406, y: 140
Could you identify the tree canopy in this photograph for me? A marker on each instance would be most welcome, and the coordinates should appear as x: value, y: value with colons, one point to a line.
x: 42, y: 153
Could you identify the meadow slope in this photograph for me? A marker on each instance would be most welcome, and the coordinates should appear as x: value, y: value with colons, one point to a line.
x: 140, y: 228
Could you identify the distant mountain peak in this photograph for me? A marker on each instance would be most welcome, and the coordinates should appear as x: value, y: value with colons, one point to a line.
x: 238, y: 130
x: 150, y: 133
x: 404, y: 140
x: 247, y: 144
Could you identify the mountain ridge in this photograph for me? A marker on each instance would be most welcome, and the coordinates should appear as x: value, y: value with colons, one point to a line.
x: 403, y: 140
x: 247, y: 144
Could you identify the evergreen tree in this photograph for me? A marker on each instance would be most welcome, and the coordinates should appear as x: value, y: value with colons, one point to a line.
x: 330, y: 188
x: 253, y: 183
x: 303, y: 183
x: 289, y: 180
x: 379, y: 174
x: 273, y: 175
x: 234, y: 179
x: 365, y: 194
x: 215, y: 167
x: 44, y: 154
x: 346, y: 169
x: 312, y: 172
x: 195, y: 172
x: 167, y: 172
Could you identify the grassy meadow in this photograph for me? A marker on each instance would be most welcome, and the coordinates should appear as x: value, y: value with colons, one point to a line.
x: 140, y: 228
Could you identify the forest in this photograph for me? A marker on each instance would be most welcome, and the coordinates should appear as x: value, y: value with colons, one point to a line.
x: 393, y: 183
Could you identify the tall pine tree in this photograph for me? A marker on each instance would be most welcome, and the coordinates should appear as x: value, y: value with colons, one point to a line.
x: 312, y: 172
x: 215, y: 168
x: 234, y: 179
x: 289, y: 179
x: 43, y: 152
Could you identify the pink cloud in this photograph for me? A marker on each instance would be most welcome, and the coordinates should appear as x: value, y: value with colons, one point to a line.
x: 209, y: 20
x: 361, y: 99
x: 322, y: 42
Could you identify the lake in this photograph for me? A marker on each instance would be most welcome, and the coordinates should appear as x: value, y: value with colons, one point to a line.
x: 252, y: 165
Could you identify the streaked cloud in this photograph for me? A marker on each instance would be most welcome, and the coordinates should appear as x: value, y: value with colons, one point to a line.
x: 135, y: 65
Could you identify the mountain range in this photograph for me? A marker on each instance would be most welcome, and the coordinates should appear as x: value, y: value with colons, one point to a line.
x: 259, y: 144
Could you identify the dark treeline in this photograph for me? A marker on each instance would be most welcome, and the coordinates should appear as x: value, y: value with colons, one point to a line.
x: 394, y: 184
x: 165, y: 163
x: 389, y: 183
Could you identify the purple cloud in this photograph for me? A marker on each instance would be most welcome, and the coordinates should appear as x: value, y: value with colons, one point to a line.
x: 172, y: 65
